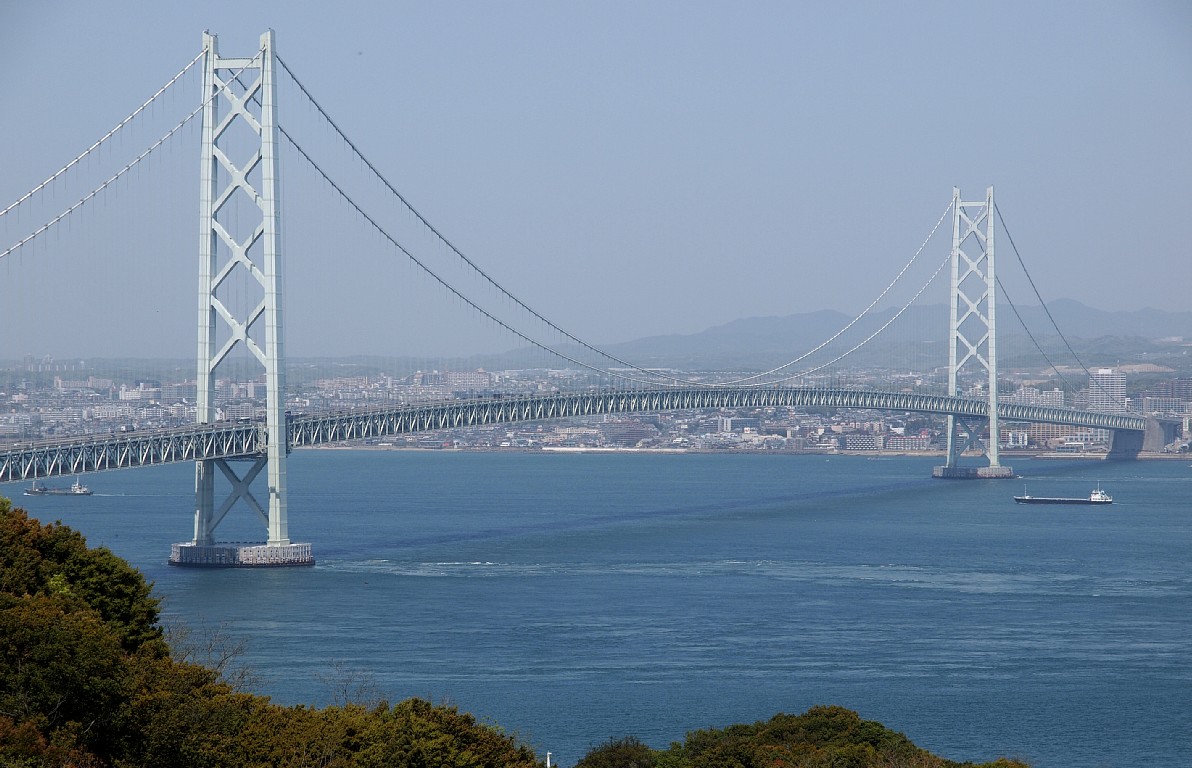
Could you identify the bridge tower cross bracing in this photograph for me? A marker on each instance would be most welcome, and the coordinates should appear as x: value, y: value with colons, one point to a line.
x: 972, y: 332
x: 239, y: 93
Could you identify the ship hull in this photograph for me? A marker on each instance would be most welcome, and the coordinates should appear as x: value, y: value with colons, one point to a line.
x: 1045, y: 500
x: 74, y: 490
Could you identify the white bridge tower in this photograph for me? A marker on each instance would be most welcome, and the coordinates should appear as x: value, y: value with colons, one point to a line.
x: 240, y: 299
x: 972, y: 334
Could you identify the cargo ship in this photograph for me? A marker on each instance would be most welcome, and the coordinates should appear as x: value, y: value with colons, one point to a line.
x: 1097, y: 496
x: 78, y: 489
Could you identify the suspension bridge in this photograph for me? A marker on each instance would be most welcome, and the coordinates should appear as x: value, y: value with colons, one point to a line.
x: 242, y: 141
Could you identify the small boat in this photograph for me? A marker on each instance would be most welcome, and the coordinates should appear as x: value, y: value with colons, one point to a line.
x: 1097, y: 496
x: 78, y: 489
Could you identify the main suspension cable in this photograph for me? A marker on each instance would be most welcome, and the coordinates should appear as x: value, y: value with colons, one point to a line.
x: 1043, y: 304
x: 856, y: 319
x: 441, y: 281
x: 111, y: 180
x: 103, y: 138
x: 136, y: 161
x: 873, y: 335
x: 442, y: 238
x: 653, y: 374
x: 1031, y: 336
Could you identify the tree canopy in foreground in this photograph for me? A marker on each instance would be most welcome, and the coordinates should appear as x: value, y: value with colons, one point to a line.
x: 87, y: 680
x: 822, y: 737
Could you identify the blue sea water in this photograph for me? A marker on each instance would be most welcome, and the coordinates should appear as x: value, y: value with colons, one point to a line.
x: 574, y: 598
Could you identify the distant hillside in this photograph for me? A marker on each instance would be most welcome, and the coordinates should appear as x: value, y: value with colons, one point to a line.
x: 1077, y: 320
x: 1099, y: 337
x: 1106, y: 337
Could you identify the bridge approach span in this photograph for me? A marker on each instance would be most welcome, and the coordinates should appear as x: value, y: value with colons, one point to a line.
x: 228, y: 440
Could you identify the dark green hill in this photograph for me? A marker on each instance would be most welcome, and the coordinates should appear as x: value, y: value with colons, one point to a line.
x: 86, y: 680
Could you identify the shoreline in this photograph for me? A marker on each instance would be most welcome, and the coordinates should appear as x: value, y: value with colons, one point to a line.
x: 1030, y: 455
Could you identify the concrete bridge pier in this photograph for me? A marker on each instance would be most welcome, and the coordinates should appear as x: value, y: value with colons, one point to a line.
x: 1125, y: 444
x: 973, y: 473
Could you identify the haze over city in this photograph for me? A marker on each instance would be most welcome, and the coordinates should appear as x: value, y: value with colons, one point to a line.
x: 634, y: 170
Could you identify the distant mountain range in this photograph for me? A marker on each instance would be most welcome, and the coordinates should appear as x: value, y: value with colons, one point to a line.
x: 916, y: 341
x: 762, y: 341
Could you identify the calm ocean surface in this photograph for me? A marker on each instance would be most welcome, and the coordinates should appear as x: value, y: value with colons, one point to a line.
x: 573, y: 598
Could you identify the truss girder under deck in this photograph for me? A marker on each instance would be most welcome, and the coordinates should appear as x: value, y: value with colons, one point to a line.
x: 231, y: 440
x: 458, y: 414
x: 134, y: 449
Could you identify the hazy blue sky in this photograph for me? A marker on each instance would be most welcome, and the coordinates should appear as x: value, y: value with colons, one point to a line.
x: 689, y: 163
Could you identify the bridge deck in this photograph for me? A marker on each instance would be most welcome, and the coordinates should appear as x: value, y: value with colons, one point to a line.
x: 225, y: 440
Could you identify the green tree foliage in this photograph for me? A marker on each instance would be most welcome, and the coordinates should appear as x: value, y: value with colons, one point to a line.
x: 87, y: 681
x: 22, y: 745
x: 626, y: 752
x: 62, y: 668
x: 55, y: 560
x: 412, y: 733
x: 822, y: 737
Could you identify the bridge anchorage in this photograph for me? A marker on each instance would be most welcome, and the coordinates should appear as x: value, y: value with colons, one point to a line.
x: 972, y: 334
x: 227, y: 193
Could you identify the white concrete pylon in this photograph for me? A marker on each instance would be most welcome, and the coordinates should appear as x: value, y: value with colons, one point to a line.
x: 240, y: 94
x: 972, y: 332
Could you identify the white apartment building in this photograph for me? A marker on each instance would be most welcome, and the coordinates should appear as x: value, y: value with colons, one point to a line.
x: 1107, y: 390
